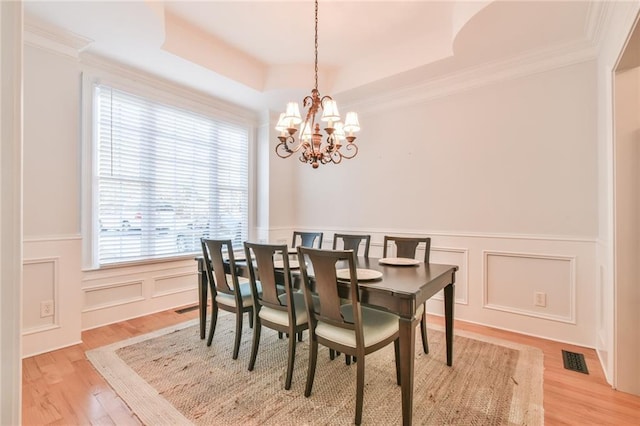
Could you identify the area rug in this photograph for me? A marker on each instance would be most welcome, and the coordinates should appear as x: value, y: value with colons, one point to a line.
x: 171, y: 377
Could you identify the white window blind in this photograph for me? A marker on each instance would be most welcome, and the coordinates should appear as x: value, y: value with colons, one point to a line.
x: 165, y: 178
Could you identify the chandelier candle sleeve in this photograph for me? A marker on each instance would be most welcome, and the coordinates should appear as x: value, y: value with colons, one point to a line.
x: 313, y: 149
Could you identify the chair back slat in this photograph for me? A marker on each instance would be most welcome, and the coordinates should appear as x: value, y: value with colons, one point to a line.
x: 352, y: 242
x: 407, y: 247
x: 307, y: 239
x: 324, y: 284
x: 264, y: 256
x: 212, y: 251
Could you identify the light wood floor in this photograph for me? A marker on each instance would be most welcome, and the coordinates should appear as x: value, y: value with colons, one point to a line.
x: 62, y: 388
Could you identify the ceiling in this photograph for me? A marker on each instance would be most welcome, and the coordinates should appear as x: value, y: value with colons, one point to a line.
x: 260, y: 53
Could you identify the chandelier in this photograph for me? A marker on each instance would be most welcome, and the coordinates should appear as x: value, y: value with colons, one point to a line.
x: 313, y: 150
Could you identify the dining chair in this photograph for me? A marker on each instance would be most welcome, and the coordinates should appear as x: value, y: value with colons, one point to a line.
x: 352, y: 242
x: 407, y: 247
x: 278, y: 306
x: 307, y: 239
x: 229, y: 292
x: 352, y: 329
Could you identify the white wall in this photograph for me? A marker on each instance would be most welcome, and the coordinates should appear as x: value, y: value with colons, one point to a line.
x: 503, y: 176
x: 517, y: 157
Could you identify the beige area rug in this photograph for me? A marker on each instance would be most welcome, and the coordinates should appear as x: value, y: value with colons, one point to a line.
x: 172, y: 377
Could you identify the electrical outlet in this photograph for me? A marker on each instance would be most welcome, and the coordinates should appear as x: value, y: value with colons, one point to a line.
x: 540, y: 299
x: 46, y: 308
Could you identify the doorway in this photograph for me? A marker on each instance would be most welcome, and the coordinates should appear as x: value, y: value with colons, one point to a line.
x: 627, y: 217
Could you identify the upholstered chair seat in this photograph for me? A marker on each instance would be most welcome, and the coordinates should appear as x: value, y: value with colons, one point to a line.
x: 377, y: 325
x: 230, y: 300
x: 282, y: 317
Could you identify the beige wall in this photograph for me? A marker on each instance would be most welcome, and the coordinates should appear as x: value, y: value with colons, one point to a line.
x: 515, y: 157
x: 52, y: 144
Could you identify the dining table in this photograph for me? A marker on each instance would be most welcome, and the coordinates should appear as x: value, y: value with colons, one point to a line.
x: 401, y: 289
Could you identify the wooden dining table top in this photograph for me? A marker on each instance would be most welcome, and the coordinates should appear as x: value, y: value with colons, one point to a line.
x: 400, y: 289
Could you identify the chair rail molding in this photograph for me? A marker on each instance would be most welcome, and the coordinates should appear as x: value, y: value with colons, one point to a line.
x: 51, y: 238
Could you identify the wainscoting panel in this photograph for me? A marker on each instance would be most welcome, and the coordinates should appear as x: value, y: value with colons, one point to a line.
x: 500, y: 274
x: 40, y: 281
x: 116, y: 294
x: 172, y: 284
x: 51, y: 273
x: 512, y: 281
x: 454, y: 256
x: 112, y: 295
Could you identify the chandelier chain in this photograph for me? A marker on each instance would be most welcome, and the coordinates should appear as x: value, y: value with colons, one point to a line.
x: 316, y: 45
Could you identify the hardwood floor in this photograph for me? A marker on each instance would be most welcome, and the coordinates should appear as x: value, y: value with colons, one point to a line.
x: 62, y: 388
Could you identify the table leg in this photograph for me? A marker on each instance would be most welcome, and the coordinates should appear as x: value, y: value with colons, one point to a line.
x: 407, y: 354
x: 202, y: 296
x: 449, y: 293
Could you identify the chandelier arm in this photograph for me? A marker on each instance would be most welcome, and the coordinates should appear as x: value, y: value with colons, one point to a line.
x: 308, y: 100
x: 286, y: 148
x: 324, y: 98
x: 307, y: 155
x: 331, y: 156
x: 282, y: 151
x: 337, y: 157
x: 350, y: 147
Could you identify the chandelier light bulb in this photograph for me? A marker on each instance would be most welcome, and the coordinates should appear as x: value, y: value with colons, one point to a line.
x: 292, y: 115
x: 306, y: 132
x: 282, y: 123
x: 330, y: 111
x: 339, y: 131
x: 351, y: 123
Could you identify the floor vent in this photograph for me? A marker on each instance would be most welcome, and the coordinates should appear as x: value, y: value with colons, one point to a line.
x: 574, y: 361
x: 187, y: 309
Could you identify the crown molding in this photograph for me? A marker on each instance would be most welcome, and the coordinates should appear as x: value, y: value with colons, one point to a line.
x: 598, y: 16
x: 474, y: 77
x: 99, y: 65
x: 53, y: 39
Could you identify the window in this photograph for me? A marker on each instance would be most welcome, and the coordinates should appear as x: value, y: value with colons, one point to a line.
x: 163, y: 178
